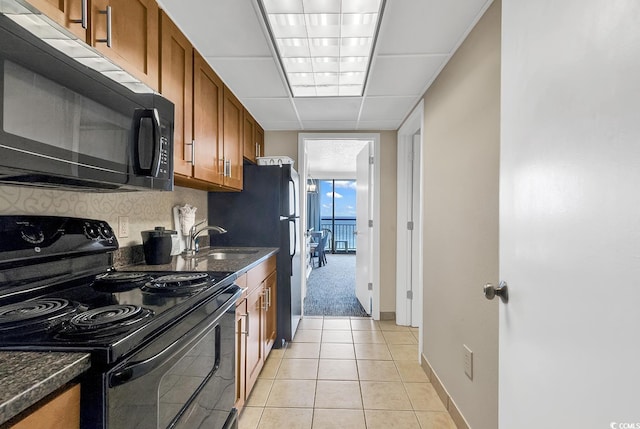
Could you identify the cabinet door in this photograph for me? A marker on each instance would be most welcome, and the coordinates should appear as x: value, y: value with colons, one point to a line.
x: 207, y: 122
x: 232, y: 140
x: 241, y: 347
x: 61, y: 412
x: 255, y: 327
x: 271, y: 325
x: 176, y: 84
x: 259, y: 136
x: 67, y: 13
x: 248, y: 136
x: 134, y: 35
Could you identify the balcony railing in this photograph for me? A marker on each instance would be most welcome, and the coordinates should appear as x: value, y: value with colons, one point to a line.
x: 343, y: 238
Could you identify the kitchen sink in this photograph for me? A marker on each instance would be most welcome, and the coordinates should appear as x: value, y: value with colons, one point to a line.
x: 230, y: 254
x: 223, y: 253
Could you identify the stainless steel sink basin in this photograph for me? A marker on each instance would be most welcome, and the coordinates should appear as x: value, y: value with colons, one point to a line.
x: 222, y: 253
x: 230, y: 253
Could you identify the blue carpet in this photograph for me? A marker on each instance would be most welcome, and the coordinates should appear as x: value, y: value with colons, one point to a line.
x: 331, y: 289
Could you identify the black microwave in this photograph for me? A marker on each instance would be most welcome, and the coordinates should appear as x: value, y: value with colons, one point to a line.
x: 64, y: 124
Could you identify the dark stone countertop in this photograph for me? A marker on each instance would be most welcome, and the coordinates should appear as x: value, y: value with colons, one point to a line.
x: 239, y: 263
x: 27, y: 377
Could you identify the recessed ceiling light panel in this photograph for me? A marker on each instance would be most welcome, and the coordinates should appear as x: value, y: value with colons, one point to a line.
x: 324, y: 46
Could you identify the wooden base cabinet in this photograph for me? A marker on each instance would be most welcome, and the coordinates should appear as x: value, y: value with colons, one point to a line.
x: 255, y: 326
x: 61, y: 412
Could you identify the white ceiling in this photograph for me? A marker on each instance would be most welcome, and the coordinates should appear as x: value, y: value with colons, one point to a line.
x: 416, y: 39
x: 333, y: 159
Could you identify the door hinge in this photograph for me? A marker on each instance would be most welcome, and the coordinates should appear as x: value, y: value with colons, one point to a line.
x: 370, y: 223
x: 370, y: 286
x: 410, y: 225
x: 370, y: 160
x: 409, y: 294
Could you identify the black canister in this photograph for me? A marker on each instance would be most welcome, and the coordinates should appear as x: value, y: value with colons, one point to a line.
x: 157, y: 245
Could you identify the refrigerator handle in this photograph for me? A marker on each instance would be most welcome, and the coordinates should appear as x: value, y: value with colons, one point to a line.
x: 295, y: 238
x: 295, y: 198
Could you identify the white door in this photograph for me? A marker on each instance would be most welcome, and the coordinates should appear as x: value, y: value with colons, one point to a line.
x: 570, y: 215
x: 416, y: 191
x: 363, y: 229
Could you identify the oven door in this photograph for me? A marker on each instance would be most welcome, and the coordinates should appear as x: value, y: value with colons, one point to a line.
x: 189, y: 384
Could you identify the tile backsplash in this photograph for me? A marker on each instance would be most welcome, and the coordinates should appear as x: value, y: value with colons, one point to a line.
x: 145, y: 209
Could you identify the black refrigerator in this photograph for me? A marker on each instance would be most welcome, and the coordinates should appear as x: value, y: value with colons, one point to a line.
x: 265, y: 214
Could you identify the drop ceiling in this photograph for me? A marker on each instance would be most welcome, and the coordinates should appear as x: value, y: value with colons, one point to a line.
x: 415, y: 41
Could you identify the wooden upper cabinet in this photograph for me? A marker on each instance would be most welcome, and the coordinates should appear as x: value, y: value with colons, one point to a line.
x: 208, y: 95
x: 133, y: 35
x: 259, y: 135
x: 253, y: 138
x: 248, y: 136
x: 176, y: 84
x: 67, y: 13
x: 232, y: 140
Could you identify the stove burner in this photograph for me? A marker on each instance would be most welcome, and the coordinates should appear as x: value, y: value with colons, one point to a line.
x: 38, y: 315
x: 104, y: 321
x: 178, y: 284
x: 120, y: 281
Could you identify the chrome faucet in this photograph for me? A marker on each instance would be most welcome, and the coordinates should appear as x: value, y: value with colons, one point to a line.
x: 195, y: 231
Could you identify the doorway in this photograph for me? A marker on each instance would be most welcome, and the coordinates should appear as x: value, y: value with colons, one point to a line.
x: 335, y: 149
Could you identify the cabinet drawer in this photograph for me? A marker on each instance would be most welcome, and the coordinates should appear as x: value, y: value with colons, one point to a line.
x: 257, y: 274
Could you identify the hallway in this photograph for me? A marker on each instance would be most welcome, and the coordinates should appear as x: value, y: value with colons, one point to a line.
x: 347, y: 373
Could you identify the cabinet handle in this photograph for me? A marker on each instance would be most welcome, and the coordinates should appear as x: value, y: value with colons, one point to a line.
x: 83, y: 17
x: 268, y: 291
x: 108, y: 39
x: 257, y: 149
x: 229, y: 168
x: 248, y: 324
x: 193, y: 152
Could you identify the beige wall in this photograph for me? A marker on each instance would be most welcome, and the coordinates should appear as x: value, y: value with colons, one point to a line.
x: 286, y: 143
x: 461, y: 171
x: 145, y: 210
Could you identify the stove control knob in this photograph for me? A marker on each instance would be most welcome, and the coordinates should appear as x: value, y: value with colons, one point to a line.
x: 105, y: 231
x: 32, y: 234
x: 91, y: 231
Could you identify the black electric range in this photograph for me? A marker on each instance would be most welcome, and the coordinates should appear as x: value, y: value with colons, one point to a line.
x: 59, y: 292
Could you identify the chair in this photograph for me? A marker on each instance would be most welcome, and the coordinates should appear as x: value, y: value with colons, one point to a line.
x: 318, y: 251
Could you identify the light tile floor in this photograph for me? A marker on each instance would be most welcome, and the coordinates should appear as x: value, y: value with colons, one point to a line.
x: 346, y: 373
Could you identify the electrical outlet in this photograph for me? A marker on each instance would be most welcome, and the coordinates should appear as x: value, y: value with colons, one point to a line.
x: 468, y: 362
x: 123, y: 226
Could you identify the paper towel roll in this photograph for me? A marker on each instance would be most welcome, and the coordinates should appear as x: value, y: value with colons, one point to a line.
x: 187, y: 218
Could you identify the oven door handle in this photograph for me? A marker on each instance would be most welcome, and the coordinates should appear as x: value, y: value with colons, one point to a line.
x: 137, y: 369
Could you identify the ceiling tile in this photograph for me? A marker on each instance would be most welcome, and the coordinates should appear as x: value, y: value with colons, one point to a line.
x: 280, y: 125
x: 426, y: 26
x: 328, y: 109
x: 223, y: 28
x: 329, y: 125
x: 403, y: 75
x: 271, y: 109
x: 379, y: 125
x: 250, y: 77
x: 386, y: 108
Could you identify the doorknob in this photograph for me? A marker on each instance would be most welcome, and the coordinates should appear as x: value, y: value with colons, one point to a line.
x: 490, y: 291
